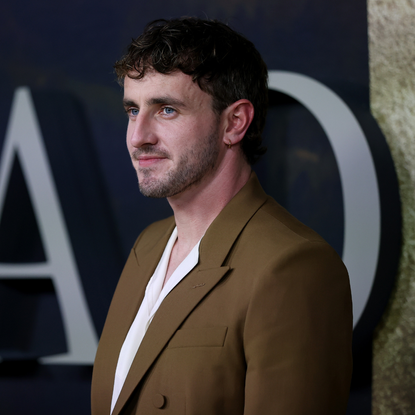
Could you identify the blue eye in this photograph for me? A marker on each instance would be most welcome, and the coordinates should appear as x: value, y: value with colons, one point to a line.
x: 134, y: 112
x: 168, y: 110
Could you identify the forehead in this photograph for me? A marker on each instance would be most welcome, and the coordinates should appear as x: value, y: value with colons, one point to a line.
x: 176, y: 85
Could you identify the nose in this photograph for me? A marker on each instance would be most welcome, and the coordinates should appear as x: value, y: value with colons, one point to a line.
x: 140, y: 132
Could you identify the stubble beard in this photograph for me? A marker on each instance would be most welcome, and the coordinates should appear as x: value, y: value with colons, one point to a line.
x: 191, y: 168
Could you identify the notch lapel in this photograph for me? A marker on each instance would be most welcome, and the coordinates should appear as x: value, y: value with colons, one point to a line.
x: 124, y: 306
x: 172, y: 312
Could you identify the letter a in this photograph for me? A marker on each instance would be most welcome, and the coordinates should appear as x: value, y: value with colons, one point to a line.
x: 24, y: 138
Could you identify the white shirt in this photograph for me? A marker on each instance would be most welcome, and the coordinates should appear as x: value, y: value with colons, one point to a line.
x: 154, y: 296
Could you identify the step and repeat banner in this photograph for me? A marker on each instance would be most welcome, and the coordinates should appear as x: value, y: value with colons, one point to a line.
x: 70, y: 208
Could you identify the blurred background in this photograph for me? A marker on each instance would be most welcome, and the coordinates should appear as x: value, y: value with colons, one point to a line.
x: 341, y: 157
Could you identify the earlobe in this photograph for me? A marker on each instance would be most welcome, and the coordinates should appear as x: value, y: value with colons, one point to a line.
x: 239, y: 116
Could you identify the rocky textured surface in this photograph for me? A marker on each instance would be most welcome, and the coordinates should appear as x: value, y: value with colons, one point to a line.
x: 392, y: 83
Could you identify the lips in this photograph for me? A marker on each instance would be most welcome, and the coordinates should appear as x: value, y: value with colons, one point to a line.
x: 149, y: 160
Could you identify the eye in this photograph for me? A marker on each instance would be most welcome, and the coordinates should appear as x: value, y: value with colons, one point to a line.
x: 131, y: 112
x: 168, y: 110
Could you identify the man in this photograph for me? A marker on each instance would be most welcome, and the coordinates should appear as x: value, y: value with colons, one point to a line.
x: 231, y: 306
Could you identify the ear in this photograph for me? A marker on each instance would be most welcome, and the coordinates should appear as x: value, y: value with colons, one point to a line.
x: 238, y: 117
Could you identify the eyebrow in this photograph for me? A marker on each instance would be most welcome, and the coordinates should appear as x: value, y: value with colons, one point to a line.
x: 166, y: 100
x: 128, y: 103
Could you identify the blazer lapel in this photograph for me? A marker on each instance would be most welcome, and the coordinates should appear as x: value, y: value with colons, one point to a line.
x: 168, y: 318
x: 214, y: 249
x: 124, y: 306
x: 225, y: 229
x: 135, y: 278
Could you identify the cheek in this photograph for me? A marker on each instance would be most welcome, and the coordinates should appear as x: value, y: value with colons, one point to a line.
x: 128, y: 137
x: 196, y: 130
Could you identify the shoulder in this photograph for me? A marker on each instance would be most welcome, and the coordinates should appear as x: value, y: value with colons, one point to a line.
x: 273, y: 228
x: 284, y: 260
x: 277, y: 247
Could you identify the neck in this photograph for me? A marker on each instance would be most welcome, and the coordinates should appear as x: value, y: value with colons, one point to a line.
x: 197, y: 207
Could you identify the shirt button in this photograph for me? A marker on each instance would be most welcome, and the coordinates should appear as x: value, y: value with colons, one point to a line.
x: 159, y: 400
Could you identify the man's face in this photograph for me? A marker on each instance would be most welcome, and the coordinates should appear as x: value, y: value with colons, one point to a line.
x: 173, y: 133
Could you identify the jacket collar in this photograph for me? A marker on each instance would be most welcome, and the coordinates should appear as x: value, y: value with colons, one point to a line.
x: 230, y: 222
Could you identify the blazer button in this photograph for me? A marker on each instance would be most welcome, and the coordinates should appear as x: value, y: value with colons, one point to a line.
x: 159, y: 400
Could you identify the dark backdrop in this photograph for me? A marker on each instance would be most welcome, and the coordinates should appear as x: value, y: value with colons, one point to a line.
x: 64, y: 51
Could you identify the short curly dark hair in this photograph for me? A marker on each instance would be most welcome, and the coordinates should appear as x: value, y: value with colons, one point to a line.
x: 225, y: 65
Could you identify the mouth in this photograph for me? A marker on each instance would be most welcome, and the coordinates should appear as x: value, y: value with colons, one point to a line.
x: 148, y: 160
x: 148, y: 156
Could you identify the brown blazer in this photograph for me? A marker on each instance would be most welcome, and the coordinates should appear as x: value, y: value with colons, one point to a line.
x: 262, y: 325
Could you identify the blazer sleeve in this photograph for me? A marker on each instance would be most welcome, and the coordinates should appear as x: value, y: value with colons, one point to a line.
x: 297, y: 336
